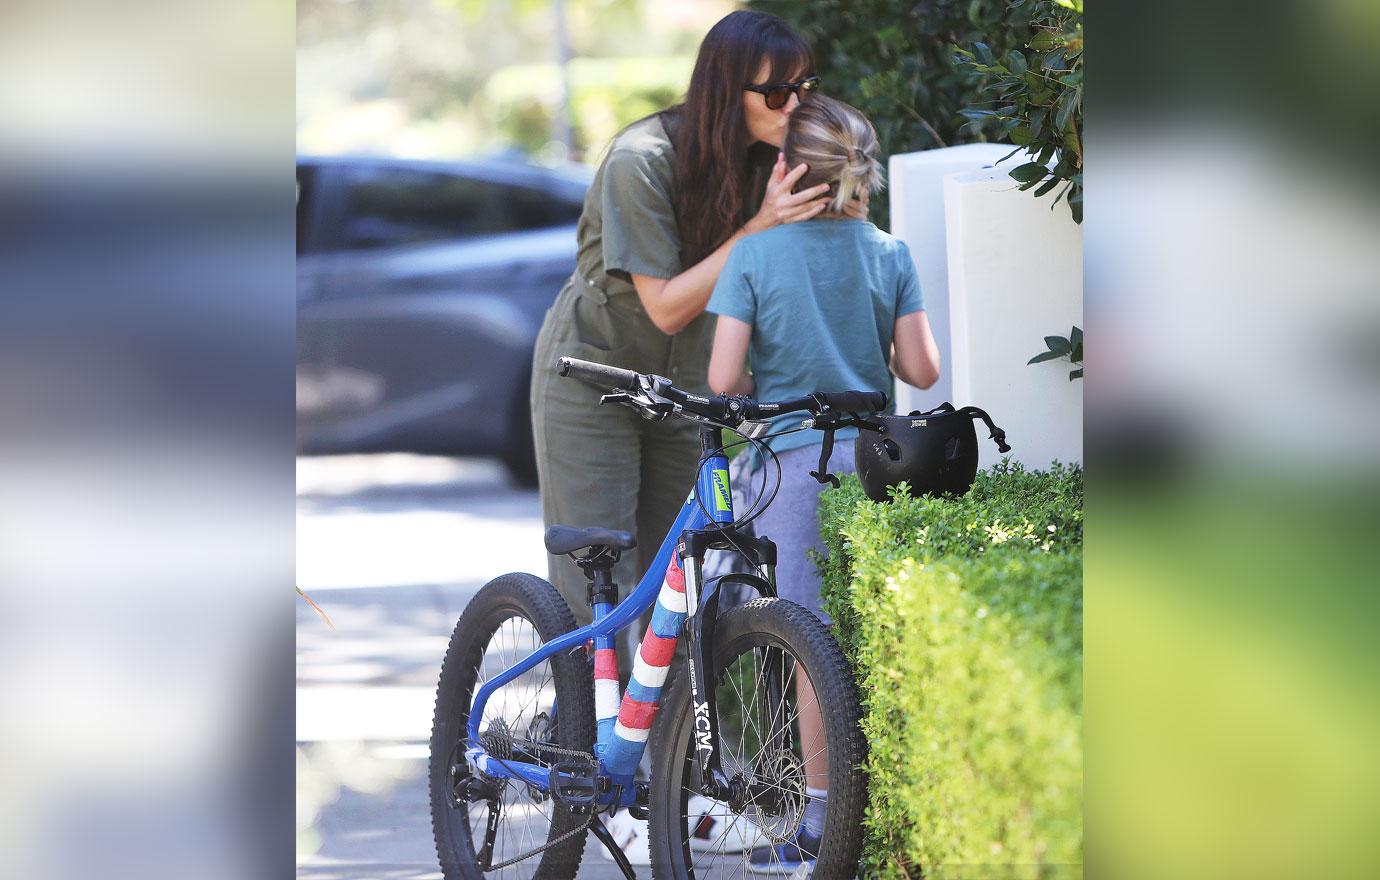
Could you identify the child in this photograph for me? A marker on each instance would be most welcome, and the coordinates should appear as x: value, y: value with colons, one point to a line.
x: 821, y: 305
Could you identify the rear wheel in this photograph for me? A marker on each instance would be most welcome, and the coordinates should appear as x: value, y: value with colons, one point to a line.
x: 762, y: 651
x: 551, y: 704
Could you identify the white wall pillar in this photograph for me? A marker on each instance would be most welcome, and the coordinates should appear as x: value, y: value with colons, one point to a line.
x: 915, y: 183
x: 1015, y: 272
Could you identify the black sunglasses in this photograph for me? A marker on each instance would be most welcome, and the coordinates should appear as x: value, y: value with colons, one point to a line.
x: 779, y: 94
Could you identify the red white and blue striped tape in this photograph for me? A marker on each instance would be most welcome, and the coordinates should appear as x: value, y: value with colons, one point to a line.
x: 634, y: 718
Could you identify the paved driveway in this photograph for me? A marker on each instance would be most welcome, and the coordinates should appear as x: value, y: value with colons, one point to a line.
x: 392, y: 547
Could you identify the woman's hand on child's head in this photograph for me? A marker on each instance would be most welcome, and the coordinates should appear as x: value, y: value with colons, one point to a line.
x: 857, y: 207
x: 780, y: 205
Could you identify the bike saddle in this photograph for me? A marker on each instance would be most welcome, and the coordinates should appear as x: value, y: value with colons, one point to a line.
x: 568, y: 539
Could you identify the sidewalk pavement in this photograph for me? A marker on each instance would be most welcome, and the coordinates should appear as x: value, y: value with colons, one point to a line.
x: 392, y: 547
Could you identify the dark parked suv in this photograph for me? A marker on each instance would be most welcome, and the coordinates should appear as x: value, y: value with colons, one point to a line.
x: 420, y: 290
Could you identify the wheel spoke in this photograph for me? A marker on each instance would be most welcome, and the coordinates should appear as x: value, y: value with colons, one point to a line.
x: 762, y: 740
x: 786, y: 725
x: 523, y: 822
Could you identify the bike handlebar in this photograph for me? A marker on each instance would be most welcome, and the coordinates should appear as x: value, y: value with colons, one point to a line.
x: 854, y: 401
x: 598, y: 374
x: 731, y: 411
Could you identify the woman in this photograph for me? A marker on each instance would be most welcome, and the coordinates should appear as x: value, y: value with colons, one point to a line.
x: 675, y: 192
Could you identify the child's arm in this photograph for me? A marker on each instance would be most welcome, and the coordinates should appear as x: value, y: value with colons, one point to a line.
x: 914, y: 353
x: 728, y: 362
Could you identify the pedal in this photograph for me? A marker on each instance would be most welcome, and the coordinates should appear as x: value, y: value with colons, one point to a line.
x: 574, y: 783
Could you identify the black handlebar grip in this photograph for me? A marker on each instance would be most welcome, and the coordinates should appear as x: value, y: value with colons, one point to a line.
x: 597, y: 374
x: 854, y: 401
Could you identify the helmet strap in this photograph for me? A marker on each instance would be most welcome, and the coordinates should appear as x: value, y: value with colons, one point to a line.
x: 998, y: 434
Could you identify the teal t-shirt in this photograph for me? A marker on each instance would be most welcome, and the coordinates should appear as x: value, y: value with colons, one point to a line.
x: 822, y: 297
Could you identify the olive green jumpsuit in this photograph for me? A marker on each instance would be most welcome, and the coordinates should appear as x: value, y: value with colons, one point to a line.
x: 605, y: 466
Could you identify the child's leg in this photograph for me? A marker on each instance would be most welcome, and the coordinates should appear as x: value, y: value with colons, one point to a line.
x: 793, y: 523
x: 812, y: 749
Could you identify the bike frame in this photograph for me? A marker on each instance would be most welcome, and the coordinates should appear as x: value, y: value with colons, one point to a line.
x: 690, y: 535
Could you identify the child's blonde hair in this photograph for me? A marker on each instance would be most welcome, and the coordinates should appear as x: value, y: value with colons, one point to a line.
x: 838, y: 144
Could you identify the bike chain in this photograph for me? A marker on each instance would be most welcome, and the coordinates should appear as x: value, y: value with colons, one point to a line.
x: 576, y: 753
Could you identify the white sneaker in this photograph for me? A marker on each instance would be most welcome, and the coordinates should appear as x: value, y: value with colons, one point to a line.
x: 712, y: 826
x: 631, y: 836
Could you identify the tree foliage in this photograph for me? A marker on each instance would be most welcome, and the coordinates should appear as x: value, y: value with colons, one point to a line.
x: 894, y: 60
x: 1033, y: 96
x: 447, y: 78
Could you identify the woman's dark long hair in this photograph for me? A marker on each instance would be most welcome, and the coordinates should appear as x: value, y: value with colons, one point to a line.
x: 715, y: 162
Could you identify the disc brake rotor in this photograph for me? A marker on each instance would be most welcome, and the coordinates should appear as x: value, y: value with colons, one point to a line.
x: 783, y: 771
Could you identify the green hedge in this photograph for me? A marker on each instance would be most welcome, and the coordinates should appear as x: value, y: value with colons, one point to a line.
x: 963, y: 619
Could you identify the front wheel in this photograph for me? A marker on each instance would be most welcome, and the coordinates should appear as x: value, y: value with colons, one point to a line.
x: 551, y: 704
x: 789, y: 732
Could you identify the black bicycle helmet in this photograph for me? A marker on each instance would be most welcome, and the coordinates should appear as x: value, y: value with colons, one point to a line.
x: 935, y: 452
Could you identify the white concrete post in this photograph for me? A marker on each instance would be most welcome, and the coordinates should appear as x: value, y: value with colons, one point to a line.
x: 1015, y: 276
x: 915, y: 184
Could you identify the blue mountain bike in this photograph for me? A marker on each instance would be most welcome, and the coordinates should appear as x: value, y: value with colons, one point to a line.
x: 756, y: 754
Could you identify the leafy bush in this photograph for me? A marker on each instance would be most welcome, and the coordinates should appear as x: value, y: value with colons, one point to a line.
x: 1035, y: 98
x: 963, y: 619
x: 894, y: 60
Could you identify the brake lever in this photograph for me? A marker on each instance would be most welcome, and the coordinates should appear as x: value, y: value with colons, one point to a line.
x: 651, y: 410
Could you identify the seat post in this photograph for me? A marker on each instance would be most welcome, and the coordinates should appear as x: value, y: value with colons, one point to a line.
x: 598, y: 568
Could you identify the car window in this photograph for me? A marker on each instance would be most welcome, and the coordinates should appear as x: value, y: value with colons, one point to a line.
x: 391, y: 207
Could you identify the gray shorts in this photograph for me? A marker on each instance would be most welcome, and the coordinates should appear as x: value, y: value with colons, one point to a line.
x: 792, y: 521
